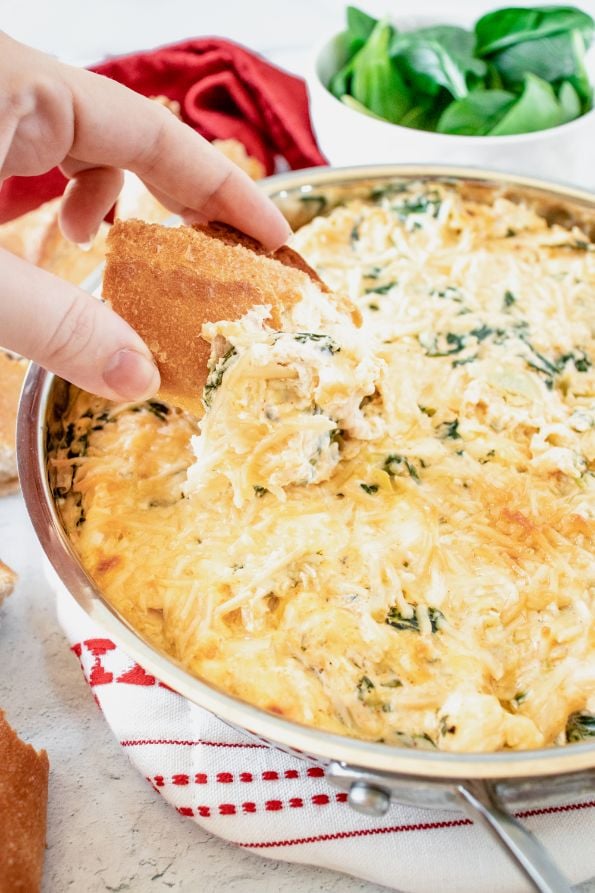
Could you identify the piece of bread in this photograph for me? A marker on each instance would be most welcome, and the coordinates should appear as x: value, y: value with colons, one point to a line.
x: 67, y: 260
x: 7, y: 581
x: 23, y: 812
x: 166, y: 282
x: 236, y: 152
x: 135, y: 201
x: 37, y: 238
x: 25, y: 235
x: 12, y: 373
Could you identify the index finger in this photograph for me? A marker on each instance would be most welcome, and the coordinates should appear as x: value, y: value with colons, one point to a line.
x: 113, y: 126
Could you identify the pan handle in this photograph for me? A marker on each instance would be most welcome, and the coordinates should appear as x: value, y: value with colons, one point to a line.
x: 480, y: 801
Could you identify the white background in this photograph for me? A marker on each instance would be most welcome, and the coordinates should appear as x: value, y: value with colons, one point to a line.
x: 107, y: 828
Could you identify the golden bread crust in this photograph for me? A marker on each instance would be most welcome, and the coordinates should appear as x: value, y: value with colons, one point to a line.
x: 23, y: 809
x: 12, y: 373
x: 167, y: 282
x: 66, y: 259
x: 285, y: 255
x: 7, y: 580
x: 37, y: 238
x: 236, y: 152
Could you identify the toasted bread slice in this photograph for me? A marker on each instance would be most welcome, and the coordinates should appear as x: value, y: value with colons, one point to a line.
x: 167, y: 282
x: 284, y: 255
x: 23, y: 811
x: 7, y: 581
x: 135, y: 201
x: 37, y: 238
x: 236, y: 152
x: 25, y: 235
x: 12, y: 373
x: 66, y: 259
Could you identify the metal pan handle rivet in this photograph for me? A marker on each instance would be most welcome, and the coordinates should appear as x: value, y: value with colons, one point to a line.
x: 368, y: 799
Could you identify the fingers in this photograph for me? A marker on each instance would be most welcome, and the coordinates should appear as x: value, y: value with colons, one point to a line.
x: 88, y: 197
x: 71, y: 333
x: 115, y: 127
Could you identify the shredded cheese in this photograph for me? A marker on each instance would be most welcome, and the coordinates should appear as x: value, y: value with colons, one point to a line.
x: 388, y: 532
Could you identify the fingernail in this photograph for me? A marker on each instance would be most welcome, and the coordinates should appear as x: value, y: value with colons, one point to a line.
x: 132, y: 375
x: 86, y: 246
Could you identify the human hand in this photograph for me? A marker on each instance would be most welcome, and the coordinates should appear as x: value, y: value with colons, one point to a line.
x: 53, y: 114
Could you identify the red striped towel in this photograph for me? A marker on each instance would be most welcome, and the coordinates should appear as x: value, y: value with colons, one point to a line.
x: 282, y: 807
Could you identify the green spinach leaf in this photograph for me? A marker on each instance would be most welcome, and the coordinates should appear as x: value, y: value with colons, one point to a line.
x: 352, y: 103
x: 215, y: 376
x: 521, y: 70
x: 570, y: 102
x: 476, y: 114
x: 506, y: 27
x: 425, y: 115
x: 359, y: 24
x: 552, y: 58
x: 437, y: 58
x: 493, y: 78
x: 460, y: 43
x: 395, y: 465
x: 359, y: 27
x: 377, y: 82
x: 395, y: 619
x: 537, y: 108
x: 580, y: 726
x: 580, y: 79
x: 340, y: 83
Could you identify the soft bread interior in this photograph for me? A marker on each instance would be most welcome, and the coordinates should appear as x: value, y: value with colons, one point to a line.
x: 166, y: 282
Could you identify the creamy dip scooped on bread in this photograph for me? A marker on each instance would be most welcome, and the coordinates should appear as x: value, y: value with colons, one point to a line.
x: 290, y: 398
x: 382, y: 530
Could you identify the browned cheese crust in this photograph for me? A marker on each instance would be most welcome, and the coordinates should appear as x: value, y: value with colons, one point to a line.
x: 23, y: 809
x: 167, y: 282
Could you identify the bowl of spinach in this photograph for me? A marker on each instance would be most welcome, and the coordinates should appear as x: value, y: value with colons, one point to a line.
x: 508, y: 88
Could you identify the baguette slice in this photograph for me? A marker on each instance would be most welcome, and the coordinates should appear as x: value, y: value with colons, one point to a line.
x: 23, y: 809
x: 12, y: 373
x: 7, y: 581
x: 167, y: 282
x: 37, y: 238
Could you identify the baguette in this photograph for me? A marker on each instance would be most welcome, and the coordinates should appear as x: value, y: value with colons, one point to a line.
x: 37, y: 238
x: 7, y: 581
x: 23, y: 809
x: 12, y: 373
x: 166, y: 282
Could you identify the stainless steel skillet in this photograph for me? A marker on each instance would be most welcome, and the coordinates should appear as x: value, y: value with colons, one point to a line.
x: 488, y: 787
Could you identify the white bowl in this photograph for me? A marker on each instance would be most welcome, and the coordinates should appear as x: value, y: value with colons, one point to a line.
x: 565, y: 154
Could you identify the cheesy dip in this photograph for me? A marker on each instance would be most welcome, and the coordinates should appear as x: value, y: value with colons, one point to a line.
x: 384, y: 531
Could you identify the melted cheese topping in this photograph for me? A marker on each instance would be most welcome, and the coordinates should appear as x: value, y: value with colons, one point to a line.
x: 388, y: 532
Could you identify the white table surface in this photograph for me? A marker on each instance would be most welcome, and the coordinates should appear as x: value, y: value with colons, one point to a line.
x: 108, y: 830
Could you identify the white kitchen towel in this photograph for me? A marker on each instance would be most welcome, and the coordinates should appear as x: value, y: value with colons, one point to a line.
x: 282, y: 807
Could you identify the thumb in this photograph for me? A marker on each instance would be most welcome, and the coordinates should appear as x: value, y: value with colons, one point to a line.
x: 69, y: 332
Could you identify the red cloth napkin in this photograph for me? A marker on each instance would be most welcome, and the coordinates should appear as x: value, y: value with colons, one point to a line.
x: 224, y: 91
